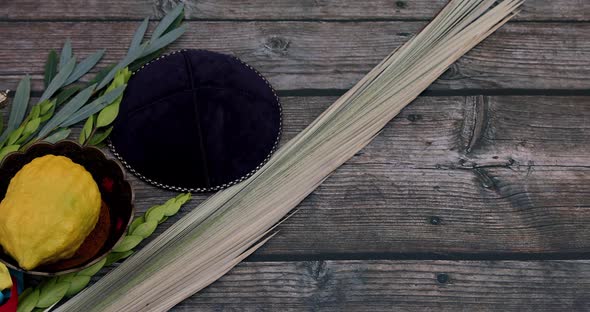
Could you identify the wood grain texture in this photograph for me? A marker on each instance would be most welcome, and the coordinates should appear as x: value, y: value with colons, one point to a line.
x: 519, y: 186
x: 398, y: 286
x: 325, y: 55
x: 554, y: 10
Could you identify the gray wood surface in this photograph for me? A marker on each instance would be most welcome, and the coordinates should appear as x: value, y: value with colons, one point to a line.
x: 399, y: 286
x: 514, y: 182
x: 493, y: 164
x: 544, y: 10
x: 325, y: 55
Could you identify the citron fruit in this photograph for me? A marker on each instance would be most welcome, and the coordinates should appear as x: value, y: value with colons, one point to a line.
x: 5, y: 280
x: 50, y: 207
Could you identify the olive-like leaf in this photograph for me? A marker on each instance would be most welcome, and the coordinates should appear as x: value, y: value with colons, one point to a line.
x: 27, y: 302
x: 146, y: 229
x: 47, y: 115
x: 93, y: 269
x: 66, y: 278
x: 62, y: 134
x: 66, y: 111
x: 18, y: 108
x: 85, y: 66
x: 116, y: 256
x: 46, y: 106
x: 50, y: 67
x: 32, y: 125
x: 51, y: 294
x: 167, y: 21
x: 135, y: 223
x: 94, y: 106
x: 164, y: 40
x: 30, y: 128
x: 108, y: 114
x: 8, y: 149
x: 59, y: 80
x: 128, y: 243
x: 100, y: 136
x: 35, y: 112
x: 138, y: 36
x: 76, y: 285
x: 15, y: 135
x: 66, y: 54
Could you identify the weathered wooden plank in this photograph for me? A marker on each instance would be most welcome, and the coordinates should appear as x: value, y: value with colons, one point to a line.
x: 519, y: 198
x: 555, y: 10
x: 319, y: 55
x: 398, y: 286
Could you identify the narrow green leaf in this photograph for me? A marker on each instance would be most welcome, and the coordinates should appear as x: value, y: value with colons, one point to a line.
x: 66, y: 54
x: 15, y: 135
x: 101, y: 74
x: 18, y: 107
x: 77, y: 284
x: 122, y: 64
x: 59, y: 80
x: 94, y: 106
x: 85, y: 66
x: 167, y: 21
x: 50, y: 295
x: 50, y: 67
x: 117, y: 256
x: 138, y: 63
x: 164, y: 40
x: 86, y: 130
x: 146, y: 229
x: 93, y: 269
x: 66, y: 94
x: 66, y: 111
x: 138, y: 36
x: 28, y: 302
x: 58, y: 136
x: 100, y: 136
x: 128, y: 243
x: 163, y: 220
x: 135, y: 223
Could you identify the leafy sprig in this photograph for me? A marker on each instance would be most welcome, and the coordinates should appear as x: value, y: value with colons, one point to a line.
x: 53, y: 290
x: 63, y: 103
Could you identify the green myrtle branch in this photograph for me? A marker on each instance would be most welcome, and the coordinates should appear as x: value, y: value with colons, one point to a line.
x: 54, y: 289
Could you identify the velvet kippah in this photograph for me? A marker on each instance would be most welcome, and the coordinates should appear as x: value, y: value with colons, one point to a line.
x: 196, y: 120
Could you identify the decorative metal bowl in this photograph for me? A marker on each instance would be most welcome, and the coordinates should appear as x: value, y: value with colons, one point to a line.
x: 117, y: 202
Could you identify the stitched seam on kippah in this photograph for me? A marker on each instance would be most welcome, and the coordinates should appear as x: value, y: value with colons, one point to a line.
x: 199, y: 130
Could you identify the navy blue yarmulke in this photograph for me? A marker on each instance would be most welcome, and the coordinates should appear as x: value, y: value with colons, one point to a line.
x: 196, y: 120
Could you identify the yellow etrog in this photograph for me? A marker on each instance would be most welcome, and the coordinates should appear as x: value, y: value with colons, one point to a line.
x: 50, y: 207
